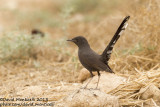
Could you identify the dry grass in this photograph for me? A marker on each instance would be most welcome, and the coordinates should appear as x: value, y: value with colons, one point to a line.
x: 55, y: 71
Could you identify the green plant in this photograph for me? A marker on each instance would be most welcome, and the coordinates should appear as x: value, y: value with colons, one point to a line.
x: 19, y: 46
x: 84, y: 6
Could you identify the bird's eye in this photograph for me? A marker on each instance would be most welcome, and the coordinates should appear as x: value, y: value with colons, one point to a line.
x: 76, y: 40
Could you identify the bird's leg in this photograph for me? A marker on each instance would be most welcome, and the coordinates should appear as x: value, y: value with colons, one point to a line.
x: 89, y: 80
x: 98, y: 79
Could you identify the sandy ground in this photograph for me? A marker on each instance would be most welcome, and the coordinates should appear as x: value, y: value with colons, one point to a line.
x: 56, y: 74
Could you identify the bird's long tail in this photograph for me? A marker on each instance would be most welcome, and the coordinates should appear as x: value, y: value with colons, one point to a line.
x: 107, y: 52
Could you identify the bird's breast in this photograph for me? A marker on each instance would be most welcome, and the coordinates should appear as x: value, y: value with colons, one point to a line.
x: 89, y: 59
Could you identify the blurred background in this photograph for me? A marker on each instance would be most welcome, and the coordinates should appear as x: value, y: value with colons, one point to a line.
x: 50, y: 61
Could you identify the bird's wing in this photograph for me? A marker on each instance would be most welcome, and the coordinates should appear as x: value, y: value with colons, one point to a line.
x: 92, y: 60
x: 107, y: 52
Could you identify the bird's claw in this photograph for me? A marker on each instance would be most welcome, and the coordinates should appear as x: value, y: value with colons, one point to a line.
x: 97, y: 88
x: 83, y: 87
x: 90, y: 88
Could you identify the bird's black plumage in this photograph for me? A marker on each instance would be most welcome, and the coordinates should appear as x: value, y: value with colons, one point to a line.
x: 90, y: 59
x: 107, y: 52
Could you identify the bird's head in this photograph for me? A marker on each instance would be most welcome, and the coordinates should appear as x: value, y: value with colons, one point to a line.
x: 80, y: 41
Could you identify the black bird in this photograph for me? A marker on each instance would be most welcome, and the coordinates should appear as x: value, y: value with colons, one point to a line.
x: 90, y: 59
x: 37, y: 31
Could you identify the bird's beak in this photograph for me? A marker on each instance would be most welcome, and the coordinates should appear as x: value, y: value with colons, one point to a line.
x: 70, y: 40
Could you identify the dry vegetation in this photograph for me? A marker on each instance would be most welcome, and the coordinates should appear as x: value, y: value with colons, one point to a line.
x: 50, y: 65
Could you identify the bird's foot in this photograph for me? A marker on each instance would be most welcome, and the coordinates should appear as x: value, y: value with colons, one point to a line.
x: 75, y: 93
x: 89, y: 88
x: 97, y: 88
x: 83, y: 87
